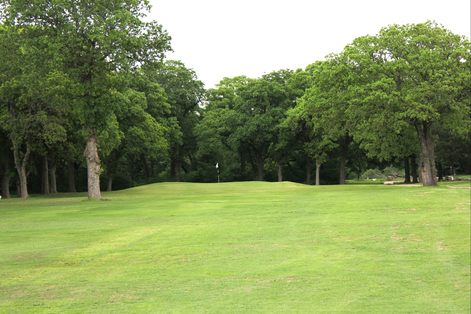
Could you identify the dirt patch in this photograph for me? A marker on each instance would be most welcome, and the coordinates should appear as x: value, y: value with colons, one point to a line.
x: 346, y: 238
x: 49, y: 294
x: 17, y: 293
x: 441, y: 246
x: 459, y: 187
x: 28, y: 257
x: 122, y: 296
x: 290, y: 279
x: 409, y: 238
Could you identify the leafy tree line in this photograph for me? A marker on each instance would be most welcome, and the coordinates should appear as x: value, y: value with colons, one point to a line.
x: 400, y: 97
x: 85, y: 93
x: 88, y: 102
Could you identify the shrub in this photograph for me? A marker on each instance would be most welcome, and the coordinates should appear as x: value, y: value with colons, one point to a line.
x: 393, y: 172
x: 373, y: 174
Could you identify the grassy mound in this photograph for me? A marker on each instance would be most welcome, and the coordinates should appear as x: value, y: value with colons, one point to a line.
x: 239, y: 247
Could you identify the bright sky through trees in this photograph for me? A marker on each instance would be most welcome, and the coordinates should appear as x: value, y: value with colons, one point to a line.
x: 219, y: 38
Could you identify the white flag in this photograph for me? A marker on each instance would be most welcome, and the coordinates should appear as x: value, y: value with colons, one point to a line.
x: 217, y: 165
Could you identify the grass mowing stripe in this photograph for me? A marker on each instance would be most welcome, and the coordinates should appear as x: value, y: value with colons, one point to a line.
x: 239, y: 247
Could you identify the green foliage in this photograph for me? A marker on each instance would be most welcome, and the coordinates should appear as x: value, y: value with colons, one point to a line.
x: 32, y: 90
x: 89, y: 48
x: 244, y: 116
x: 140, y: 138
x: 316, y: 143
x: 70, y: 70
x: 93, y: 47
x: 184, y: 95
x: 408, y: 76
x: 373, y: 174
x: 376, y: 173
x: 393, y: 172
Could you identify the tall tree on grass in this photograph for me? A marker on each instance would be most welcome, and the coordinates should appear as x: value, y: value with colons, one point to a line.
x: 327, y: 102
x: 143, y: 141
x: 5, y: 162
x: 316, y: 144
x: 32, y: 95
x: 244, y: 115
x: 185, y: 95
x: 215, y: 131
x: 381, y: 134
x: 414, y: 77
x: 97, y: 39
x: 289, y: 139
x: 262, y: 107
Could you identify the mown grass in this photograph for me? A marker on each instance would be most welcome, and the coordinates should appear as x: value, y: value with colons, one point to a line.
x: 239, y: 247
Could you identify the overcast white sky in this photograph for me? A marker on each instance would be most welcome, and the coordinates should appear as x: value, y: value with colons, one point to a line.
x: 251, y: 37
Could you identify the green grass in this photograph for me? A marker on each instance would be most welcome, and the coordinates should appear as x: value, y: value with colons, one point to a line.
x: 239, y: 247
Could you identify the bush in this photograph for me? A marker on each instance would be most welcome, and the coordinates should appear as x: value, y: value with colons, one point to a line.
x: 373, y: 174
x: 393, y: 172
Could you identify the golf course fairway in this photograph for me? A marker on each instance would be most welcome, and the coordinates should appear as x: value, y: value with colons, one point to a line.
x: 239, y: 247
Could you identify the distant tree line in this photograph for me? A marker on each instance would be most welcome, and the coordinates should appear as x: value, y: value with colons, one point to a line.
x: 89, y: 102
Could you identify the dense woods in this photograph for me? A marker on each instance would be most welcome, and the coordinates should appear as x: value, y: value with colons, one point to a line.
x: 89, y: 102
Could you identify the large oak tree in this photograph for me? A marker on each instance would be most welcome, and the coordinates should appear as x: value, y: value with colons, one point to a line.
x: 98, y: 39
x: 410, y: 77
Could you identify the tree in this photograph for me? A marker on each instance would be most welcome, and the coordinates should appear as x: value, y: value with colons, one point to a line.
x: 415, y: 76
x: 97, y: 40
x: 215, y: 145
x: 143, y: 139
x: 327, y: 100
x: 286, y: 142
x: 316, y: 143
x: 31, y: 93
x: 5, y: 161
x: 185, y: 94
x: 262, y: 105
x: 215, y: 132
x: 382, y: 134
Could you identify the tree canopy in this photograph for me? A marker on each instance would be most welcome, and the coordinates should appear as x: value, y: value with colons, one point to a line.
x: 86, y: 91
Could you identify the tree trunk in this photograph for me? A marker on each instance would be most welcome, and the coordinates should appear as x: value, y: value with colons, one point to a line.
x: 71, y: 176
x: 414, y: 168
x: 406, y: 170
x: 110, y: 183
x: 93, y: 167
x: 243, y: 165
x: 175, y: 165
x: 147, y: 168
x: 6, y: 184
x: 6, y: 179
x: 280, y: 173
x: 342, y: 170
x: 23, y: 182
x: 18, y: 187
x: 20, y: 164
x: 427, y: 169
x: 53, y: 177
x: 260, y: 168
x: 318, y: 172
x: 344, y: 143
x: 308, y: 170
x: 45, y: 176
x: 440, y: 171
x: 178, y: 167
